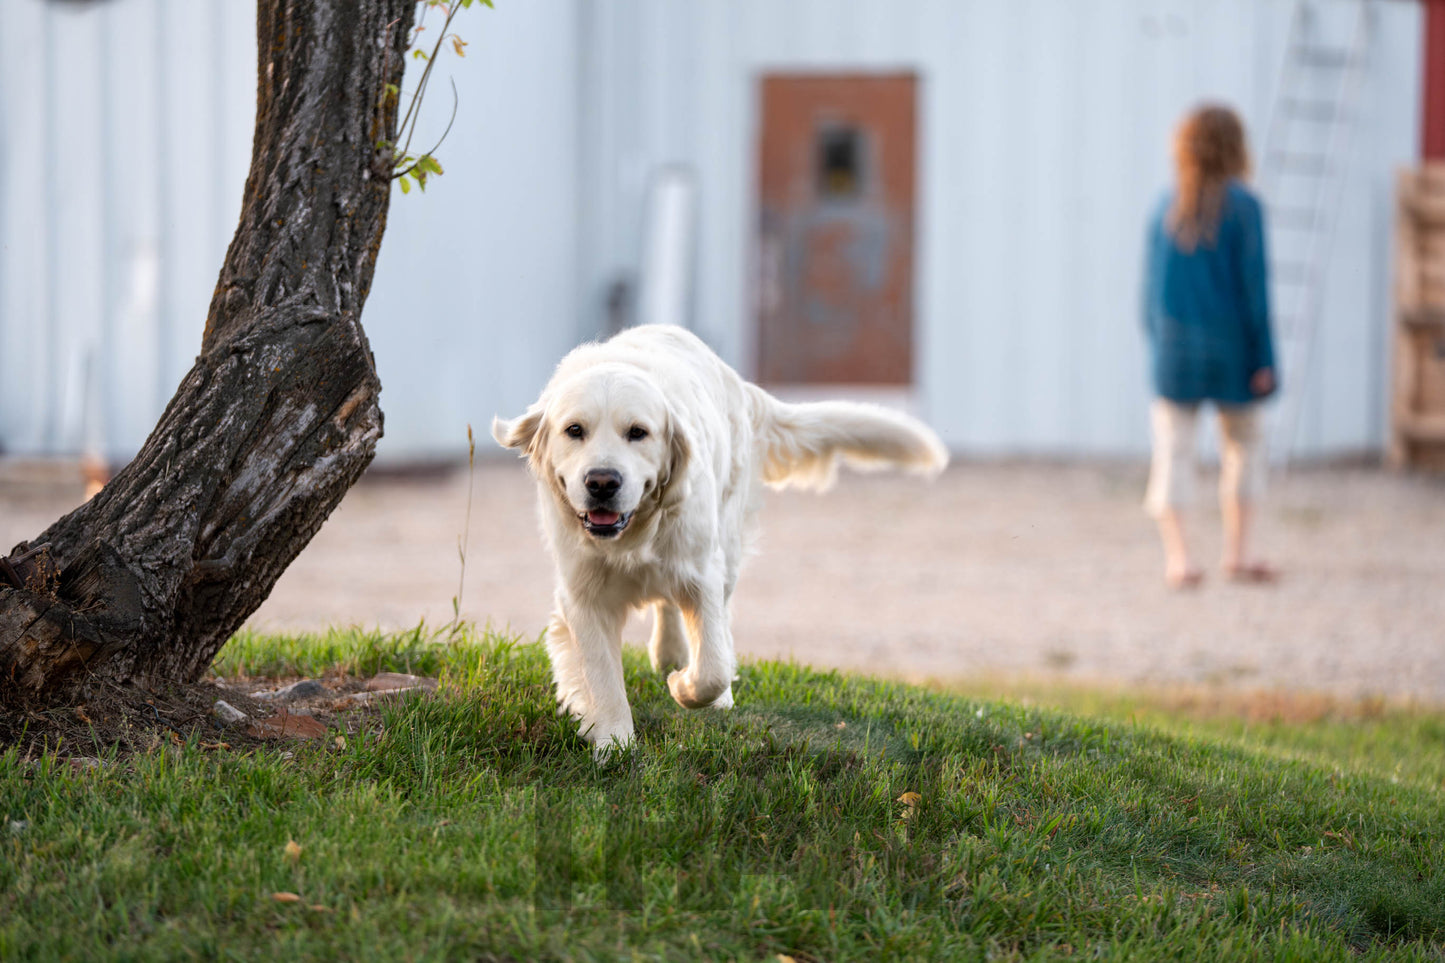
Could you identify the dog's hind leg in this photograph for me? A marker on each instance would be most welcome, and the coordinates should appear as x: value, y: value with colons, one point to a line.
x: 708, y: 678
x: 668, y: 646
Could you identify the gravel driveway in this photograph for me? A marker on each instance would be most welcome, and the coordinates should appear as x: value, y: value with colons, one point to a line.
x: 996, y: 569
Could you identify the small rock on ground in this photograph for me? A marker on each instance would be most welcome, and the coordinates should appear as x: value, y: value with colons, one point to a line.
x: 304, y: 689
x: 229, y: 713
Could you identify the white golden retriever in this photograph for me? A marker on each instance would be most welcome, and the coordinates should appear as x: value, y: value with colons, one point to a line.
x: 649, y: 453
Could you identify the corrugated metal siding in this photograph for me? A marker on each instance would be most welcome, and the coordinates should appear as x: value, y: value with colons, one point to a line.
x: 124, y: 140
x: 125, y: 137
x: 475, y: 297
x: 1045, y: 128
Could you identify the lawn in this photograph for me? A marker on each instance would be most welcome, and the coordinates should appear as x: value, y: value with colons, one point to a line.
x: 828, y: 817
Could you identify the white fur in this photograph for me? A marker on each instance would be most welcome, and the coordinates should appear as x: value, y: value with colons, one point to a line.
x: 690, y: 487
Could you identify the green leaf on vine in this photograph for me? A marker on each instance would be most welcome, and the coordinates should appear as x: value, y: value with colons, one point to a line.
x: 408, y: 167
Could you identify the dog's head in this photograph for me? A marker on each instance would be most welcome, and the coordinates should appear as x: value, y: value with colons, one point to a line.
x: 605, y: 441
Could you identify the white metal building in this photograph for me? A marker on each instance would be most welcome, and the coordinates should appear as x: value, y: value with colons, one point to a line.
x: 623, y: 141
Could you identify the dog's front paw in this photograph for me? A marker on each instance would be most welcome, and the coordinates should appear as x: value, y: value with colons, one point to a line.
x: 604, y: 754
x: 692, y: 693
x: 572, y: 704
x: 609, y: 742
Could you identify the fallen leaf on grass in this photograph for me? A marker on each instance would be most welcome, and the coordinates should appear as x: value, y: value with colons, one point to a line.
x: 286, y: 897
x: 287, y: 724
x: 293, y: 850
x: 386, y: 681
x: 910, y: 799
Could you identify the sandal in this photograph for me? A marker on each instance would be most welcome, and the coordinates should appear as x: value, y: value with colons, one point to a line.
x: 1252, y: 573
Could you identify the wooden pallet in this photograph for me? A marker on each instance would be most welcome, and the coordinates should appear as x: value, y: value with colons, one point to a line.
x: 1417, y: 437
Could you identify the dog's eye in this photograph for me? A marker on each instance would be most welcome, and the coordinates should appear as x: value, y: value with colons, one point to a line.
x: 636, y: 433
x: 574, y: 431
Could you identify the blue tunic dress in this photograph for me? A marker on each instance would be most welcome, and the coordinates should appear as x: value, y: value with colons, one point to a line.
x: 1206, y: 311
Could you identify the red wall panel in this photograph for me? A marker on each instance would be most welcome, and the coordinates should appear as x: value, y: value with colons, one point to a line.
x: 1432, y: 143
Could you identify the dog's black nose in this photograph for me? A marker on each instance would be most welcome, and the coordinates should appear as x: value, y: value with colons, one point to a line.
x: 602, y: 483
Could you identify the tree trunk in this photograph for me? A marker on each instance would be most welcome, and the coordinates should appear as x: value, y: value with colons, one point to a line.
x: 278, y: 417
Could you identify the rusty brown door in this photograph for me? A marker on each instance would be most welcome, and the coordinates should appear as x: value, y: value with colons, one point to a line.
x: 835, y: 244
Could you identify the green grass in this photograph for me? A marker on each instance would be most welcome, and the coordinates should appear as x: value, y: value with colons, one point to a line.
x: 476, y: 826
x: 1401, y: 742
x: 352, y: 651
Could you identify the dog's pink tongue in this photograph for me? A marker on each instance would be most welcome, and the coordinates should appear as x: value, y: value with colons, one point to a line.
x: 598, y: 517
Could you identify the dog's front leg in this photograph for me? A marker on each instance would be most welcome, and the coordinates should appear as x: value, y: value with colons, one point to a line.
x: 585, y: 644
x: 708, y: 678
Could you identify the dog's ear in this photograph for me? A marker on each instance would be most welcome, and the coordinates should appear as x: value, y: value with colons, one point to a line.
x: 671, y: 487
x: 520, y: 432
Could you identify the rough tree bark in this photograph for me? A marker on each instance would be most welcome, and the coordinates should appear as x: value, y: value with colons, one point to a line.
x: 278, y: 417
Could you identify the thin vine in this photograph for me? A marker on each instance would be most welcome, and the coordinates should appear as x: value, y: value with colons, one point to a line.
x: 407, y: 167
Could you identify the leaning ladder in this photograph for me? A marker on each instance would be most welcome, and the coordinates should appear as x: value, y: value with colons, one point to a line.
x: 1306, y: 162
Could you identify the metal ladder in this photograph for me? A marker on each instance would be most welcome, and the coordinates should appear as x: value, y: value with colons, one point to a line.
x: 1308, y: 150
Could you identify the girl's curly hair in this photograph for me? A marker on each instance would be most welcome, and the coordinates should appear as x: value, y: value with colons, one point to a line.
x: 1209, y: 151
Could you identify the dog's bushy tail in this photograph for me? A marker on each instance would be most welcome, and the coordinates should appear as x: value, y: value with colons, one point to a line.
x: 802, y: 444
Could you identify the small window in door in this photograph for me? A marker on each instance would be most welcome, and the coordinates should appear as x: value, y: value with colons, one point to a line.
x: 840, y: 162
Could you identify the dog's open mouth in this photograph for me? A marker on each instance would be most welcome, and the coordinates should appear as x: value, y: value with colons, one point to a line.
x: 604, y: 524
